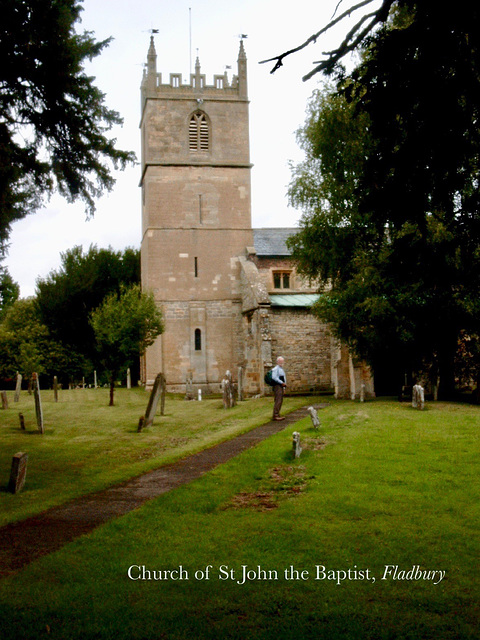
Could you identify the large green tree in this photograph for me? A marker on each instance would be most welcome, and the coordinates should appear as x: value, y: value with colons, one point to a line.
x: 125, y: 324
x: 26, y: 346
x: 67, y: 296
x: 403, y: 255
x: 9, y: 291
x: 53, y: 118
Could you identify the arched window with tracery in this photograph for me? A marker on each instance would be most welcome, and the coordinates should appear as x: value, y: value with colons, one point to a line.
x: 199, y: 132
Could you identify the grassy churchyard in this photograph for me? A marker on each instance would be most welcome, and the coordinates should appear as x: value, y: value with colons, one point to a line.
x: 371, y: 533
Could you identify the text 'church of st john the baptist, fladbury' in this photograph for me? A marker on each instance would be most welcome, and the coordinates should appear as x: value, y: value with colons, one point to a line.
x: 229, y: 294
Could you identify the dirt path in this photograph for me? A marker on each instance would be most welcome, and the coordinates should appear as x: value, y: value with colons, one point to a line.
x: 25, y: 541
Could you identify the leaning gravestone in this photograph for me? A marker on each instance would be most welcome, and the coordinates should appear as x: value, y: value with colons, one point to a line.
x: 314, y: 416
x: 157, y: 393
x: 18, y: 388
x: 38, y: 403
x: 18, y: 472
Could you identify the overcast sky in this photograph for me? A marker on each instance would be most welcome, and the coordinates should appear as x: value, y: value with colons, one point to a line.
x: 209, y: 29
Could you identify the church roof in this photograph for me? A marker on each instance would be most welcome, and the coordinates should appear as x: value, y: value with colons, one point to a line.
x: 272, y: 242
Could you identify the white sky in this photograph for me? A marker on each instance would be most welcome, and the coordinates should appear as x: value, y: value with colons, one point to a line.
x: 277, y: 108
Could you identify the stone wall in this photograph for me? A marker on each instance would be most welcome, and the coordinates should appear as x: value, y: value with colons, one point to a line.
x: 304, y: 342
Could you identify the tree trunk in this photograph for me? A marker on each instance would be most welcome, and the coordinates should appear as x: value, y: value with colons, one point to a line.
x: 112, y: 391
x: 446, y: 369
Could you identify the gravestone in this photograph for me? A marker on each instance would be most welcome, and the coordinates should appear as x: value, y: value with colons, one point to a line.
x: 22, y: 421
x: 141, y: 422
x: 55, y: 388
x: 95, y: 379
x: 189, y: 388
x: 38, y: 403
x: 297, y: 449
x: 418, y: 397
x: 228, y: 391
x: 314, y: 416
x: 18, y: 472
x: 4, y: 400
x: 362, y: 392
x: 18, y: 388
x: 129, y: 379
x: 157, y: 393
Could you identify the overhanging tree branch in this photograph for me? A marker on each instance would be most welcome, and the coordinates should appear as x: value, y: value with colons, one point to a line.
x: 352, y: 40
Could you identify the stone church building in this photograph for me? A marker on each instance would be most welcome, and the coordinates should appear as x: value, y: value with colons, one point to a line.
x: 230, y: 295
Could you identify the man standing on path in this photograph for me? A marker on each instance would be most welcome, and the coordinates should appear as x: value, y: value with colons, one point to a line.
x: 279, y: 383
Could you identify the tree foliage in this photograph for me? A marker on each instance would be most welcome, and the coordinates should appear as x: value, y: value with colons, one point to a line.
x: 66, y: 297
x: 9, y: 291
x: 53, y: 118
x: 366, y: 21
x: 26, y: 346
x: 125, y: 324
x: 392, y: 214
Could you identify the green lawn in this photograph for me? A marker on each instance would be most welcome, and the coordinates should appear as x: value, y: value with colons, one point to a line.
x: 379, y: 485
x: 88, y: 445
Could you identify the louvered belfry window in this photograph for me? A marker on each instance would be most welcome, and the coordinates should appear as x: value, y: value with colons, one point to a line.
x: 199, y: 132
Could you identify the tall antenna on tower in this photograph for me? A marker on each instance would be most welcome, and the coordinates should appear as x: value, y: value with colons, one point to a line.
x: 190, y: 35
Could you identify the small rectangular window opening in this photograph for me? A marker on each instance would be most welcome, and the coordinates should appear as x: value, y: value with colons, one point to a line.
x: 196, y: 267
x: 198, y: 340
x: 281, y: 280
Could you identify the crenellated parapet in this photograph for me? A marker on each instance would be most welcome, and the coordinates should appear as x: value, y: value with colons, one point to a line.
x: 154, y: 86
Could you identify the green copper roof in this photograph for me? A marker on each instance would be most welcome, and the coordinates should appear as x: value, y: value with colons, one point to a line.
x: 293, y: 299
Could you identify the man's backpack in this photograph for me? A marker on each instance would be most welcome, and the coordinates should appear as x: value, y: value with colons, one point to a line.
x: 268, y: 378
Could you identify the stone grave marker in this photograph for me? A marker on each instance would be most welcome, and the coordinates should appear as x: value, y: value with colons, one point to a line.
x: 228, y: 391
x: 18, y: 388
x: 362, y: 392
x: 129, y: 379
x: 297, y: 449
x: 22, y: 421
x: 418, y: 397
x: 38, y: 403
x: 55, y: 388
x: 157, y: 393
x: 189, y: 388
x: 314, y: 416
x: 4, y: 400
x: 18, y: 472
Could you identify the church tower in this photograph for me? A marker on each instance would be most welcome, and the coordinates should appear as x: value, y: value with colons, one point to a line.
x: 196, y: 219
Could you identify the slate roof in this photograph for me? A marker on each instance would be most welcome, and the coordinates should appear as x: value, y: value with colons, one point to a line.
x: 272, y: 242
